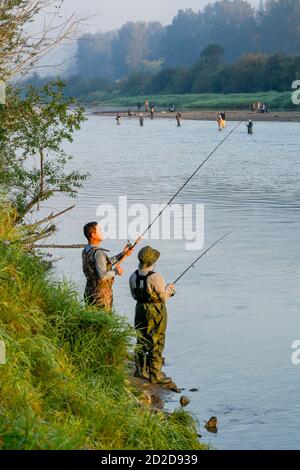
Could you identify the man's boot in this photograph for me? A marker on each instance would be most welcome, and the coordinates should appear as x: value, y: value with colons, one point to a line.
x: 141, y: 371
x: 158, y: 377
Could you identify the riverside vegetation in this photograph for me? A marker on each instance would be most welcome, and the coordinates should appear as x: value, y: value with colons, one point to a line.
x: 65, y: 384
x: 205, y: 101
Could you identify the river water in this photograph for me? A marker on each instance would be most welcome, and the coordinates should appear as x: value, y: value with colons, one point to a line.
x: 235, y: 316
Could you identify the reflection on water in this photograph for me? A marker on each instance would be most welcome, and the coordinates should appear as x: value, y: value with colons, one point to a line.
x: 234, y: 317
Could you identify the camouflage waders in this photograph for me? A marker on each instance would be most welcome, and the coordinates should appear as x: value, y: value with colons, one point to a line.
x: 151, y: 322
x: 97, y: 292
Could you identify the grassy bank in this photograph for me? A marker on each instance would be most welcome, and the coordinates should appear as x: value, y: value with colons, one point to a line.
x: 65, y: 383
x: 275, y: 100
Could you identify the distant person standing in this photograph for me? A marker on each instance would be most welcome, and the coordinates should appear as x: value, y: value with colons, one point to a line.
x: 250, y: 127
x: 146, y: 106
x: 178, y: 119
x: 141, y: 119
x: 139, y: 106
x: 118, y: 119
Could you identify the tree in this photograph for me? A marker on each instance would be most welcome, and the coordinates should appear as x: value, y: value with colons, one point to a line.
x: 32, y: 159
x: 135, y: 44
x: 182, y: 41
x: 248, y: 74
x: 94, y: 54
x: 212, y: 54
x: 19, y: 51
x: 279, y: 21
x: 231, y: 24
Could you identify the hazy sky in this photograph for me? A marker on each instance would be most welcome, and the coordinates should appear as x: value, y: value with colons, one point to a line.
x: 112, y: 14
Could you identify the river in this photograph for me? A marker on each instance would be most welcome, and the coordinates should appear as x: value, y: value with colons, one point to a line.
x: 235, y: 316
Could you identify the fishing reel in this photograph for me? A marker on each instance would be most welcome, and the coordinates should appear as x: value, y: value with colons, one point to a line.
x: 130, y: 244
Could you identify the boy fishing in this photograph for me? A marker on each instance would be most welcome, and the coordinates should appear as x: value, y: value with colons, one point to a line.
x: 150, y: 291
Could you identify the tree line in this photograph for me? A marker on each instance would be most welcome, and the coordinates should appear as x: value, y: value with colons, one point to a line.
x: 240, y: 29
x: 251, y: 73
x: 210, y: 74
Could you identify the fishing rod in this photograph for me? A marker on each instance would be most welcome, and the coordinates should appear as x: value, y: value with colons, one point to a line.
x: 204, y: 253
x: 133, y: 245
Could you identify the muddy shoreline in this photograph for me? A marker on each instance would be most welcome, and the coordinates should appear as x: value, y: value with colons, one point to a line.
x: 275, y: 116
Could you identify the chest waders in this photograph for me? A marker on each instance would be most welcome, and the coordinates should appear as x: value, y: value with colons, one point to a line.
x: 97, y: 292
x: 150, y: 322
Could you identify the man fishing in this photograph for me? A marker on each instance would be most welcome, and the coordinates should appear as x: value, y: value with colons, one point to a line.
x: 220, y: 122
x: 141, y: 119
x: 98, y: 268
x: 250, y: 126
x: 152, y: 111
x: 150, y: 291
x: 178, y: 119
x: 223, y: 116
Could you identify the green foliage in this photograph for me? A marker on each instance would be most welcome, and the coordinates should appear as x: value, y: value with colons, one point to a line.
x: 11, y: 24
x: 65, y: 384
x: 35, y: 125
x: 275, y: 100
x: 252, y: 73
x: 135, y: 47
x: 212, y: 55
x: 19, y: 49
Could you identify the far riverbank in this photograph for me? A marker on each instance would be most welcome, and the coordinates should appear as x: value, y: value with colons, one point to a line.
x: 211, y: 115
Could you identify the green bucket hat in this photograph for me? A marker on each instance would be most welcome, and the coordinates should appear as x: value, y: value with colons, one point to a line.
x: 148, y: 256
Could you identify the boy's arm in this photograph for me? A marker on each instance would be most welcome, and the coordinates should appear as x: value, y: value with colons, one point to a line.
x: 156, y: 283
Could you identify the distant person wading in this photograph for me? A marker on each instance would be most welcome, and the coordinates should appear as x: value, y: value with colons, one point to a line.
x: 220, y: 122
x: 223, y: 116
x: 178, y: 119
x: 152, y: 111
x: 250, y: 126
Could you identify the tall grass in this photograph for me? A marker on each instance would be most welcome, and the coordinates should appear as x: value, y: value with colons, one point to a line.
x: 65, y: 384
x: 242, y: 101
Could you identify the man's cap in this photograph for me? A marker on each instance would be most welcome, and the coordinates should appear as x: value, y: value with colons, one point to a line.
x: 148, y: 256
